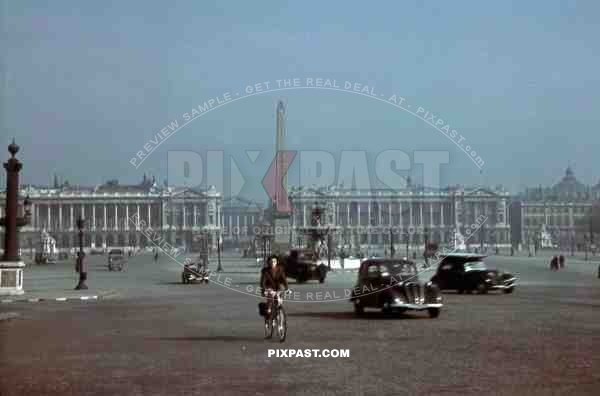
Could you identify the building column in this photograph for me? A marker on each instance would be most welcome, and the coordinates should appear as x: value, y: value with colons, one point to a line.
x: 93, y: 216
x: 34, y: 211
x: 304, y: 215
x: 137, y: 209
x: 195, y: 223
x: 442, y: 214
x: 49, y: 217
x: 348, y: 205
x: 369, y: 203
x: 105, y: 226
x: 410, y: 208
x: 183, y: 216
x: 72, y: 217
x: 127, y: 219
x: 400, y: 215
x: 33, y: 208
x: 116, y: 218
x: 431, y: 215
x: 358, y: 216
x: 60, y: 223
x: 149, y: 215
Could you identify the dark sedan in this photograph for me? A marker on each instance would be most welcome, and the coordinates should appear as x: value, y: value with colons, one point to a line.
x: 393, y: 285
x: 465, y: 272
x: 302, y: 266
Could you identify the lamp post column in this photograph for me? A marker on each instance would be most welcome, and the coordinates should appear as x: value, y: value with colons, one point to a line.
x: 80, y: 255
x: 11, y: 266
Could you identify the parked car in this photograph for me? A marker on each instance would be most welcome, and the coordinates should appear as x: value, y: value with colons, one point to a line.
x: 466, y: 272
x: 116, y: 260
x: 303, y: 266
x: 394, y: 285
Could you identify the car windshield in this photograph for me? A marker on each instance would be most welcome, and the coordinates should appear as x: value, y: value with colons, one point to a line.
x: 475, y: 266
x: 400, y: 270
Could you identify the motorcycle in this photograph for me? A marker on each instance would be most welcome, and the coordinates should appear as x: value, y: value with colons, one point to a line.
x: 194, y: 272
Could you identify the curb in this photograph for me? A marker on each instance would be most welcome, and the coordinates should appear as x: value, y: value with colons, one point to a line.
x: 80, y: 298
x: 9, y: 315
x: 60, y: 299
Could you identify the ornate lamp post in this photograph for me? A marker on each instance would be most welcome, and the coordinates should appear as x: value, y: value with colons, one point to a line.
x: 219, y: 244
x: 11, y: 266
x: 329, y: 248
x: 80, y: 255
x: 392, y: 250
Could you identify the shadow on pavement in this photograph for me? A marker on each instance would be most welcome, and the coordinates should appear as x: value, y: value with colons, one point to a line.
x: 212, y: 338
x: 374, y: 315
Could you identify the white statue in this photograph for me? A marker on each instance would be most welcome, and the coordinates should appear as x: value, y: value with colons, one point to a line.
x: 459, y: 241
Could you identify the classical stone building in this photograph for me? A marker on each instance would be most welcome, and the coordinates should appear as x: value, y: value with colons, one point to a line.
x: 363, y: 219
x: 560, y: 210
x: 111, y: 210
x: 241, y: 219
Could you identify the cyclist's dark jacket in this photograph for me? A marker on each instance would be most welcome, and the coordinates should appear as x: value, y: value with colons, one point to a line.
x: 270, y: 280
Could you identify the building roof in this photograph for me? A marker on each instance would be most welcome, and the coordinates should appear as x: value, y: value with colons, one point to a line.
x: 569, y: 184
x: 568, y: 189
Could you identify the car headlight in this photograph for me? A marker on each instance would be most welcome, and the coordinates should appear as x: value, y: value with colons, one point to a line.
x: 398, y: 300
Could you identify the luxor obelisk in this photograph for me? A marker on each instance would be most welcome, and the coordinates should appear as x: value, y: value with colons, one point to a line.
x: 280, y: 216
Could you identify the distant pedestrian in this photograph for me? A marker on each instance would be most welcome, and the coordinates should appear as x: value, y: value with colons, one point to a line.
x: 554, y: 263
x: 561, y: 261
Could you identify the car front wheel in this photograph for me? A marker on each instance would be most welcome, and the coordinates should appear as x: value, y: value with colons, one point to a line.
x: 481, y: 288
x: 509, y: 290
x: 358, y: 308
x: 433, y: 312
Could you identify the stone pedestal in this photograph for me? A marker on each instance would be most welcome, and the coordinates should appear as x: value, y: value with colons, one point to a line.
x: 282, y: 231
x: 11, y: 278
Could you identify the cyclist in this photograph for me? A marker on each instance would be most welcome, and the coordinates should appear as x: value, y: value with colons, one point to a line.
x: 272, y: 277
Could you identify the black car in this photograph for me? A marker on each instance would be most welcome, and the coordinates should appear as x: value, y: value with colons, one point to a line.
x: 393, y: 285
x: 116, y: 260
x: 465, y: 272
x: 303, y: 266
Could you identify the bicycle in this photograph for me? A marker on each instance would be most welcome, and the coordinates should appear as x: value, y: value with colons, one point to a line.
x: 276, y: 316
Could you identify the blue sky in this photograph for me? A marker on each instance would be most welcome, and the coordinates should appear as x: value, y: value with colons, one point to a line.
x: 87, y: 84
